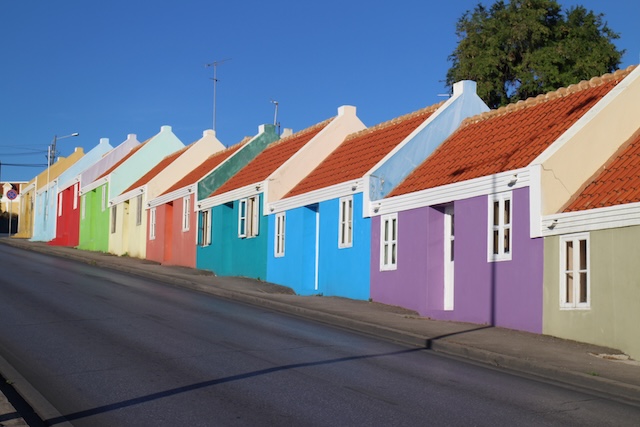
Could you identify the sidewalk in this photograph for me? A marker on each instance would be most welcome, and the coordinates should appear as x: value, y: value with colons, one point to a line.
x: 586, y: 366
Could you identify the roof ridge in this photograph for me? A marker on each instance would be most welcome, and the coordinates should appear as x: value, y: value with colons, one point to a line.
x: 549, y: 96
x: 301, y: 132
x: 396, y: 120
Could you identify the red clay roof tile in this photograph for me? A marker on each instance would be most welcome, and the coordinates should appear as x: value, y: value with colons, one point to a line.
x: 157, y: 169
x: 508, y: 138
x: 616, y: 184
x: 212, y: 162
x: 122, y: 160
x: 360, y: 151
x: 271, y: 158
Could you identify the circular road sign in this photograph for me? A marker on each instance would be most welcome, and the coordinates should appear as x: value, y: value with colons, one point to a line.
x: 12, y: 194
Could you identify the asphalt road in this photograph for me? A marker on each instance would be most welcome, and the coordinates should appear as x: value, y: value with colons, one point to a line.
x: 109, y: 349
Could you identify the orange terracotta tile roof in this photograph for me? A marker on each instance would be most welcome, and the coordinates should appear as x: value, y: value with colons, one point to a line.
x: 360, y: 151
x: 618, y: 183
x: 162, y: 164
x: 212, y: 162
x: 122, y: 160
x: 508, y: 138
x: 271, y: 158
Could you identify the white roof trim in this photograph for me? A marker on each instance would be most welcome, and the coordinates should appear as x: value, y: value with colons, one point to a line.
x: 230, y: 196
x: 128, y: 195
x: 316, y: 196
x: 447, y: 193
x: 591, y: 220
x: 95, y: 184
x: 174, y: 195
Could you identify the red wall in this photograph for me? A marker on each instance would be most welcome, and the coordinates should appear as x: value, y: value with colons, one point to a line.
x: 68, y: 224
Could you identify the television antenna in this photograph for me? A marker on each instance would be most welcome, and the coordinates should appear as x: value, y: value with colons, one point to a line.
x: 275, y: 115
x: 215, y: 64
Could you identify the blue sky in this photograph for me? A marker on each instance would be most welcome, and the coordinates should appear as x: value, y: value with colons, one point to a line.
x: 108, y: 69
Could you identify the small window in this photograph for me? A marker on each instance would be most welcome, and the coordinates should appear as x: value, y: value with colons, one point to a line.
x: 389, y: 242
x: 139, y: 209
x: 345, y: 232
x: 186, y: 213
x: 75, y: 195
x: 278, y: 246
x: 83, y: 206
x: 152, y: 224
x: 114, y: 212
x: 205, y: 228
x: 575, y: 291
x: 60, y: 204
x: 248, y: 216
x: 500, y: 235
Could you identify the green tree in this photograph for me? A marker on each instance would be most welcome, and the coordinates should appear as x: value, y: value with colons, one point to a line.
x: 524, y: 48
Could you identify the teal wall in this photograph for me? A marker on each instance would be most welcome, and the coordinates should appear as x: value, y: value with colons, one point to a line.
x: 94, y: 228
x: 230, y: 255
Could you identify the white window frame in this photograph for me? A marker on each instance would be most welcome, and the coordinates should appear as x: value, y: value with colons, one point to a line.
x: 186, y: 213
x: 503, y: 227
x: 104, y: 197
x: 389, y: 242
x: 139, y: 209
x: 114, y: 216
x: 76, y: 189
x: 60, y: 203
x: 152, y: 224
x: 205, y: 228
x: 345, y: 226
x: 278, y: 243
x: 83, y: 206
x: 570, y: 298
x: 249, y: 217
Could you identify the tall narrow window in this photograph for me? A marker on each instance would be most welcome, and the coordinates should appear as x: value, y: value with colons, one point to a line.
x: 575, y: 291
x: 139, y: 209
x: 345, y: 229
x: 83, y: 206
x: 186, y: 213
x: 60, y: 204
x: 152, y: 224
x: 205, y: 228
x: 75, y: 195
x: 388, y: 242
x: 114, y: 212
x: 500, y: 214
x: 248, y: 216
x: 278, y: 245
x: 104, y: 197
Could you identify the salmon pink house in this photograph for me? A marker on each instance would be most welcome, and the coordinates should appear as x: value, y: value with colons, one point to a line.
x: 319, y: 231
x: 460, y: 238
x: 173, y: 229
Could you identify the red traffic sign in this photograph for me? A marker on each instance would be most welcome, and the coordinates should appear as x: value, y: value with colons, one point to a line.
x: 12, y: 194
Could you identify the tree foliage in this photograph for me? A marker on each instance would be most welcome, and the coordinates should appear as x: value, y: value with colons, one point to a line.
x: 523, y: 48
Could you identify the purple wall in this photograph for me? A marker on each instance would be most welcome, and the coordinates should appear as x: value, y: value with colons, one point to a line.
x: 505, y: 293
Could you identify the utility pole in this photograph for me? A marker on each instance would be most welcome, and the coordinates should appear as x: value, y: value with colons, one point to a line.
x: 275, y: 116
x: 215, y: 64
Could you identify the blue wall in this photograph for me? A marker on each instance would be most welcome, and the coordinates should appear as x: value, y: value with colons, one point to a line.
x: 228, y: 254
x: 342, y: 272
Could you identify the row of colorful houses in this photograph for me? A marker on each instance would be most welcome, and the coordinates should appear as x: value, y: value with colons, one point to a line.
x: 524, y: 217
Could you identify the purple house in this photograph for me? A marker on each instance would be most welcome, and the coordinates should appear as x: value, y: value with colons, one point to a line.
x: 460, y: 238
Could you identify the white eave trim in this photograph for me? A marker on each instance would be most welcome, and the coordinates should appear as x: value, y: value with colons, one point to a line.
x: 591, y: 220
x: 95, y: 184
x: 230, y: 196
x: 317, y: 196
x: 46, y: 187
x: 69, y: 183
x: 128, y: 195
x: 457, y: 191
x: 174, y: 195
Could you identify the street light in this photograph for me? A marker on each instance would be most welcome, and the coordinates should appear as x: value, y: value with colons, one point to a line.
x: 52, y: 147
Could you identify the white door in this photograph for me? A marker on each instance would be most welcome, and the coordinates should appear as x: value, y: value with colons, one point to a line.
x: 449, y: 239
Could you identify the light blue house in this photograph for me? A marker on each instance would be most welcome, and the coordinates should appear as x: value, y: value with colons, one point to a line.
x: 238, y: 243
x: 319, y: 234
x: 44, y: 228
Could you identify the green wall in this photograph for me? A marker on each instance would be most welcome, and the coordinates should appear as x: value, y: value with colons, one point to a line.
x: 614, y: 316
x: 94, y: 228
